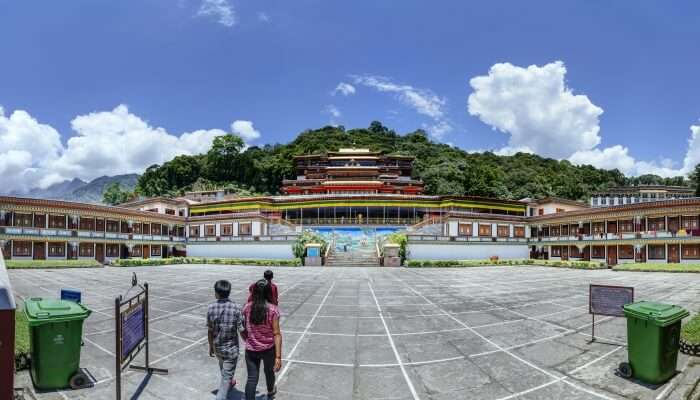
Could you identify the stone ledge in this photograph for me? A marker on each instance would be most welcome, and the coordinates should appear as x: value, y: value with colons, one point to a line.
x: 690, y: 348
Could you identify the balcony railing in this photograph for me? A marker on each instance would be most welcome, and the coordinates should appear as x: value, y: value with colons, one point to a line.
x: 354, y: 221
x: 246, y: 238
x: 481, y: 239
x: 41, y: 232
x: 621, y: 236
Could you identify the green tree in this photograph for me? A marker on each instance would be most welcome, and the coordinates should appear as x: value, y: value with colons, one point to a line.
x: 443, y: 168
x: 695, y: 179
x: 153, y: 182
x: 222, y: 159
x: 114, y: 194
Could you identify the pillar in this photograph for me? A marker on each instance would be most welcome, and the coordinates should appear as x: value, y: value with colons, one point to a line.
x: 646, y: 250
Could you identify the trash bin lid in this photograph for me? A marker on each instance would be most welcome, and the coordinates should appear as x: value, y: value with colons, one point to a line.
x: 659, y: 313
x: 40, y: 311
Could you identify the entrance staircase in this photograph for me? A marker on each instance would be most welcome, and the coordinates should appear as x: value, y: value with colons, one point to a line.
x: 355, y: 257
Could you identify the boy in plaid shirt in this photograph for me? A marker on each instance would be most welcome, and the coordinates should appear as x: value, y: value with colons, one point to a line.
x: 224, y: 321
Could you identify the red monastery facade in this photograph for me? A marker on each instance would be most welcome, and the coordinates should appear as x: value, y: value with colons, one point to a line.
x: 353, y: 171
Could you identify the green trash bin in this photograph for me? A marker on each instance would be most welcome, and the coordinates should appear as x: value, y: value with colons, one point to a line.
x: 653, y: 335
x: 55, y: 332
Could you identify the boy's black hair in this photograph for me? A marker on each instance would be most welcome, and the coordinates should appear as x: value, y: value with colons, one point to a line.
x: 268, y: 275
x: 222, y: 289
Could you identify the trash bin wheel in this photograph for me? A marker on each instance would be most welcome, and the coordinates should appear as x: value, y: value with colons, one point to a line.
x: 79, y: 381
x: 625, y: 370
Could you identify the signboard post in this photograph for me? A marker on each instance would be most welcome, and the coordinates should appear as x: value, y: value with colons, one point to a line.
x: 608, y: 300
x: 131, y: 321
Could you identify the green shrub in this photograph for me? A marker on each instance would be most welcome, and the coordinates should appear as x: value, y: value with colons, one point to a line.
x: 193, y: 260
x: 653, y: 267
x: 487, y: 262
x: 399, y: 238
x: 298, y: 248
x: 21, y: 332
x: 21, y: 264
x: 690, y: 332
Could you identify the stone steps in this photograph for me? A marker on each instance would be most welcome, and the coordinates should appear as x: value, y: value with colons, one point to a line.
x: 354, y: 258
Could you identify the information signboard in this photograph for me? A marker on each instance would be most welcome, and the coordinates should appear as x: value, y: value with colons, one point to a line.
x: 133, y: 329
x: 609, y: 300
x: 131, y: 319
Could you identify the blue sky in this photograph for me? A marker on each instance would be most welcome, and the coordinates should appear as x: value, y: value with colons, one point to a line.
x: 614, y: 84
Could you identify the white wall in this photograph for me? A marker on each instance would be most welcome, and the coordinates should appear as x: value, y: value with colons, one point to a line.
x: 241, y: 250
x: 461, y: 251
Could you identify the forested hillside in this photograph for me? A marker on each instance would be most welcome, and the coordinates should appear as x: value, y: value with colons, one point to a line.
x: 444, y: 169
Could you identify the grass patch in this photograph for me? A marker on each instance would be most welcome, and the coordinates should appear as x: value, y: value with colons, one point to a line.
x: 21, y: 264
x: 197, y: 260
x: 484, y: 263
x: 650, y: 267
x: 21, y: 332
x: 691, y: 330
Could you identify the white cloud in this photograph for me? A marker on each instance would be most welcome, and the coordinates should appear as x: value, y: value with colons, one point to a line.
x: 542, y: 115
x: 509, y: 151
x: 104, y: 143
x: 692, y: 156
x: 439, y: 129
x: 263, y: 17
x: 118, y: 142
x: 618, y: 157
x: 423, y: 101
x: 245, y: 130
x: 535, y: 107
x: 26, y: 147
x: 334, y: 113
x: 222, y: 10
x: 344, y: 88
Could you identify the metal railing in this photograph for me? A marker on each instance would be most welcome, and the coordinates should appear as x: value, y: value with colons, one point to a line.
x: 42, y: 232
x: 354, y: 221
x: 268, y: 238
x: 620, y: 236
x: 482, y: 239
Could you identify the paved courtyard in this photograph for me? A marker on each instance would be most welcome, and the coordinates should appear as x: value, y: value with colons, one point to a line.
x: 355, y: 333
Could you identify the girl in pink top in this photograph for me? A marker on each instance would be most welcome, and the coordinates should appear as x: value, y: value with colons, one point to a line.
x: 263, y: 340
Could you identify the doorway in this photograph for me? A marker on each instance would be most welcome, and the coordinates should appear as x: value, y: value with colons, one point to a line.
x: 612, y: 255
x: 673, y: 253
x: 39, y: 251
x: 100, y: 252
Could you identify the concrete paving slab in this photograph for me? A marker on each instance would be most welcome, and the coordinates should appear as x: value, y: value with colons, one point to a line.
x: 459, y: 379
x: 446, y: 327
x: 519, y: 332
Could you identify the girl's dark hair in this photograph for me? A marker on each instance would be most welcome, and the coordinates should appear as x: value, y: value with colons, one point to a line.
x: 258, y: 310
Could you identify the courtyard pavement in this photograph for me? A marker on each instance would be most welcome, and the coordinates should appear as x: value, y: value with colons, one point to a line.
x: 378, y: 333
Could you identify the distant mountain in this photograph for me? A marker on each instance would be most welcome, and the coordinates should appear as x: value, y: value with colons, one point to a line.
x: 81, y: 191
x: 58, y: 191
